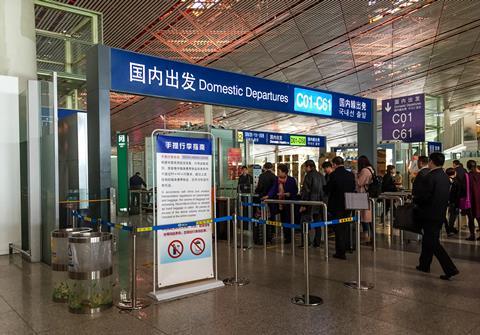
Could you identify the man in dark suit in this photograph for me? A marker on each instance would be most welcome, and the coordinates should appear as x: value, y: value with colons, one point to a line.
x: 340, y: 182
x: 266, y: 180
x: 431, y: 209
x: 422, y: 172
x: 312, y: 190
x: 265, y: 183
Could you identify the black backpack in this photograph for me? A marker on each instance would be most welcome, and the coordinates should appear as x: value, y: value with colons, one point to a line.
x: 374, y: 189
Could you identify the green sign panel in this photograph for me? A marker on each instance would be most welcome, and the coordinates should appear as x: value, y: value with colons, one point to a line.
x: 122, y: 172
x: 296, y: 140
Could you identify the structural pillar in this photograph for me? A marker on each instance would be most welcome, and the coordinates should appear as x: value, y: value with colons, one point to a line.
x: 18, y: 59
x: 99, y: 136
x: 367, y: 137
x: 208, y: 114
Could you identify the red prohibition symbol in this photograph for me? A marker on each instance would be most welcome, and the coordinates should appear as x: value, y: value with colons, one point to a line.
x: 175, y: 249
x: 197, y: 246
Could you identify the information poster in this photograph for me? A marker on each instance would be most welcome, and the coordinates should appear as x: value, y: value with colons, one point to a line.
x: 403, y: 119
x: 184, y: 194
x: 234, y: 163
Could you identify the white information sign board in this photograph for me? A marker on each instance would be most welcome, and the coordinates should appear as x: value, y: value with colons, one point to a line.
x: 184, y: 194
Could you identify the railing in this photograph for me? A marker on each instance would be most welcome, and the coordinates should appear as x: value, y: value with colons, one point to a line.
x: 292, y: 204
x: 392, y: 197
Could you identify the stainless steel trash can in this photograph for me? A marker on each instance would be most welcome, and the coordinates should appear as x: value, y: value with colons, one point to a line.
x: 59, y: 261
x: 90, y: 272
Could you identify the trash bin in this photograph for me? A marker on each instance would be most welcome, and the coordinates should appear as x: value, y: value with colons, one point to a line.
x: 90, y: 272
x: 59, y: 261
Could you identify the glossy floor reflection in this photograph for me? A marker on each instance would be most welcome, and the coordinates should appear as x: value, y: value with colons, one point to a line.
x: 402, y: 302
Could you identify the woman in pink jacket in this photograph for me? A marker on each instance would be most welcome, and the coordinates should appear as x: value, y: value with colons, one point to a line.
x: 364, y: 178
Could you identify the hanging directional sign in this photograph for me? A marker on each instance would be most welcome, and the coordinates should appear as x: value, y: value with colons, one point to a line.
x: 434, y: 147
x: 261, y: 137
x: 403, y: 118
x: 153, y: 76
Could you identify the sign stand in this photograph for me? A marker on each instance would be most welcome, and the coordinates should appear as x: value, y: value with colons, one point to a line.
x: 306, y: 299
x: 358, y: 201
x: 178, y: 248
x: 134, y: 303
x: 235, y: 280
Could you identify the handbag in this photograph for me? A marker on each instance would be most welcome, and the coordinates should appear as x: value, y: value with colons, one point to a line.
x: 405, y: 219
x: 465, y: 203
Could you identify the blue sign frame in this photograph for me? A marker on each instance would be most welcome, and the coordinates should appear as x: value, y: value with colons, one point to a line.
x: 267, y: 138
x: 434, y: 147
x: 146, y: 75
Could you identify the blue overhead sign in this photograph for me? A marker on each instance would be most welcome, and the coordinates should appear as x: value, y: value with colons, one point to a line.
x: 152, y: 76
x: 261, y: 137
x: 434, y: 147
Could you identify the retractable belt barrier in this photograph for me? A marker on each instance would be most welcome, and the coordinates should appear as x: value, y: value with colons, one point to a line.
x: 151, y: 228
x: 290, y: 225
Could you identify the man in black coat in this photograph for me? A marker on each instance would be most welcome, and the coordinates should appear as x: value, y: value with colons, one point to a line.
x: 422, y: 172
x: 340, y: 182
x: 245, y: 181
x: 266, y: 180
x: 312, y: 190
x: 431, y: 209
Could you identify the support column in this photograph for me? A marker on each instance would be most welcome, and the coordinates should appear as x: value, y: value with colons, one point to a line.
x: 18, y: 59
x: 208, y: 115
x: 99, y: 137
x: 367, y: 137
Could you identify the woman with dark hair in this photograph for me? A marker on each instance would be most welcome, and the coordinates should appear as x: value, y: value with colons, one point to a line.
x: 473, y: 185
x: 365, y: 177
x: 284, y: 188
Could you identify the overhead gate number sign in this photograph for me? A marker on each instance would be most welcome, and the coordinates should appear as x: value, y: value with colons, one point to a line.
x: 261, y: 137
x: 184, y: 194
x: 403, y: 118
x: 141, y: 74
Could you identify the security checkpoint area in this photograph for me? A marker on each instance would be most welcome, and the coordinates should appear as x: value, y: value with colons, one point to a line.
x: 239, y: 167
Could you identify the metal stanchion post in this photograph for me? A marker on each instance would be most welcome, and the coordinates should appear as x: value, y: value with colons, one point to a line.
x: 264, y: 217
x: 229, y: 222
x: 358, y: 284
x: 292, y: 221
x: 235, y: 280
x: 306, y: 299
x: 384, y: 212
x: 374, y: 224
x: 250, y: 224
x: 240, y: 207
x: 325, y: 218
x: 134, y: 303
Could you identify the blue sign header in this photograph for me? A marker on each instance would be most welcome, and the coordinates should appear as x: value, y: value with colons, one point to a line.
x: 261, y: 137
x: 183, y: 145
x: 434, y: 147
x: 152, y: 76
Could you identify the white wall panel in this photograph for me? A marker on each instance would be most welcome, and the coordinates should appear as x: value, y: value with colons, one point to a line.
x: 10, y: 213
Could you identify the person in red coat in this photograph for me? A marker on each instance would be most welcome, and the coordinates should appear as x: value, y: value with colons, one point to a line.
x: 474, y: 213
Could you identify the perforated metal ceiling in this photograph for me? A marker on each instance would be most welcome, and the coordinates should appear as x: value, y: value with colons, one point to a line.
x: 378, y: 49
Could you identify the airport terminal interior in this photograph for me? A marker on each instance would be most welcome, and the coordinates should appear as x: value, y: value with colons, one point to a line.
x: 240, y: 167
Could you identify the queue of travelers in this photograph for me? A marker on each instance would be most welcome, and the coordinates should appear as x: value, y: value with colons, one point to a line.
x: 435, y: 193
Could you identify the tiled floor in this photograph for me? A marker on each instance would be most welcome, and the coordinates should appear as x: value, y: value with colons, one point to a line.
x: 402, y: 302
